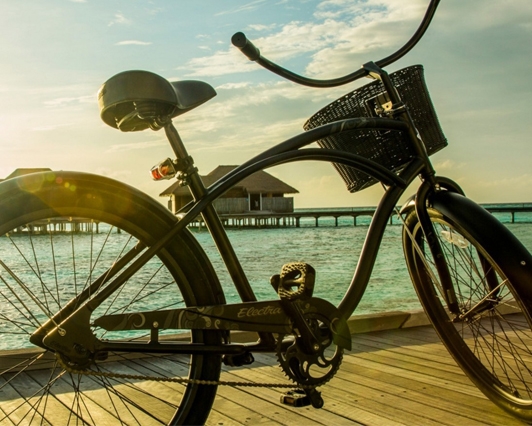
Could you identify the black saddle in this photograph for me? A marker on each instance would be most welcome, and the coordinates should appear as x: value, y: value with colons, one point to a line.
x: 137, y: 100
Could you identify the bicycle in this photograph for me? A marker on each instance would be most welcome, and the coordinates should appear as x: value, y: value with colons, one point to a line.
x: 77, y: 304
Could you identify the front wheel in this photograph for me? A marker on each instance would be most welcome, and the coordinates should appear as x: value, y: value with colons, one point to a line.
x: 60, y: 232
x: 475, y: 304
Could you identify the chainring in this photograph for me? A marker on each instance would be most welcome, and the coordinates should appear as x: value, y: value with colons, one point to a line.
x: 310, y: 369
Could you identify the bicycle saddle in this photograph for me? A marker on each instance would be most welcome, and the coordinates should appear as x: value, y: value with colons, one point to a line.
x: 137, y: 100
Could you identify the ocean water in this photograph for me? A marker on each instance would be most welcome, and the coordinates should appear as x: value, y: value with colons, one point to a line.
x: 333, y: 252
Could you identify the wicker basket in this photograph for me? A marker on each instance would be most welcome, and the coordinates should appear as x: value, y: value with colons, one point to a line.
x: 389, y: 148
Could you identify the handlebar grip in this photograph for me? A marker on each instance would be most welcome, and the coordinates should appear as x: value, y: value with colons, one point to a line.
x: 246, y: 46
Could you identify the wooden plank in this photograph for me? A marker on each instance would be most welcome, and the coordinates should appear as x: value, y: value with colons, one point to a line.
x: 391, y: 377
x: 337, y: 392
x: 272, y: 396
x: 438, y: 404
x: 92, y: 404
x: 19, y: 400
x: 271, y: 373
x: 246, y: 407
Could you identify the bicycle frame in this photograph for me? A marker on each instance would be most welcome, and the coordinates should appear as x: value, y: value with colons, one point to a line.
x: 286, y: 152
x: 292, y: 150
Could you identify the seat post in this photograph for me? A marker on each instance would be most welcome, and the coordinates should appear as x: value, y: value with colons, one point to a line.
x: 197, y: 188
x: 212, y: 220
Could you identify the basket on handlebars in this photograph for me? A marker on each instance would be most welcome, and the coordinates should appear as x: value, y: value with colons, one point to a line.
x: 389, y: 148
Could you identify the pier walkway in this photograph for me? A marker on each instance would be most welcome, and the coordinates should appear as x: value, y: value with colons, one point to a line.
x: 263, y: 219
x: 398, y: 373
x: 395, y: 376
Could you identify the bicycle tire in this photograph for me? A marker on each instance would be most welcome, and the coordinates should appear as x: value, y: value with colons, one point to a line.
x: 44, y: 248
x: 492, y: 341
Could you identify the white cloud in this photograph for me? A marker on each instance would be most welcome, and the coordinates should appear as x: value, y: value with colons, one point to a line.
x: 231, y: 86
x: 137, y: 146
x: 50, y: 127
x: 122, y: 175
x: 449, y: 165
x: 221, y: 63
x: 68, y: 101
x: 340, y: 30
x: 243, y: 8
x: 262, y: 27
x: 133, y: 43
x: 119, y: 19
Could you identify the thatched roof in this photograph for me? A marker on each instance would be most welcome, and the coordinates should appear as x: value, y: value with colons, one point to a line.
x: 21, y: 172
x: 260, y: 182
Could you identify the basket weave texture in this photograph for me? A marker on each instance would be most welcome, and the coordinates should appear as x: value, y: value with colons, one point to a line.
x: 391, y: 149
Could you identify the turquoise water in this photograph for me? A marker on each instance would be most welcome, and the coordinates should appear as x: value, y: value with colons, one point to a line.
x: 333, y: 252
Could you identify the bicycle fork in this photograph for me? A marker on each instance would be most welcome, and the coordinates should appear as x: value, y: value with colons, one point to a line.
x: 445, y: 279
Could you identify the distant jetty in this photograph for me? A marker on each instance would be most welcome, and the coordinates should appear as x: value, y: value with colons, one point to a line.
x: 293, y: 219
x: 264, y: 219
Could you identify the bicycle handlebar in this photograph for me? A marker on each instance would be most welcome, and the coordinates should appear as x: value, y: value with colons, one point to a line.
x: 240, y: 41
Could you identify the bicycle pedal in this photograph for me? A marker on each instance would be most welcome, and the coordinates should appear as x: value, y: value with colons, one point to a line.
x: 295, y: 398
x: 301, y: 398
x: 296, y: 281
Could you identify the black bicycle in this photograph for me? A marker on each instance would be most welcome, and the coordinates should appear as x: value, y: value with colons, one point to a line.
x: 113, y: 312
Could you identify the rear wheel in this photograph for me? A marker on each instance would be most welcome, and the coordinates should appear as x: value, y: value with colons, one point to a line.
x: 475, y: 308
x: 58, y: 233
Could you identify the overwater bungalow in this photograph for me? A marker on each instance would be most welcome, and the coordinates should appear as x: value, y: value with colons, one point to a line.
x: 260, y: 192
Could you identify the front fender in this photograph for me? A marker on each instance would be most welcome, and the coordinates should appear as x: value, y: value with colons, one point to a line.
x: 409, y: 205
x: 500, y: 244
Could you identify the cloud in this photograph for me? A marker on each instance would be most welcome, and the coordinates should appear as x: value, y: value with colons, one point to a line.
x: 339, y: 31
x: 119, y: 19
x: 136, y: 146
x: 231, y: 86
x: 221, y: 63
x: 133, y: 43
x: 50, y: 127
x: 68, y: 101
x: 262, y: 27
x: 243, y: 8
x: 122, y: 175
x: 449, y: 165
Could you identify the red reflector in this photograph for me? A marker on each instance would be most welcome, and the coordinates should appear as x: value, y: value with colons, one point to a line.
x: 155, y: 173
x: 164, y: 170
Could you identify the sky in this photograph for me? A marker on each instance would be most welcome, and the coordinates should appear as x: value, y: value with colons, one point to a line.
x: 55, y: 54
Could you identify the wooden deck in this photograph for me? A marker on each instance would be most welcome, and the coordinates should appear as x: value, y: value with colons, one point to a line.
x: 399, y: 376
x: 394, y: 377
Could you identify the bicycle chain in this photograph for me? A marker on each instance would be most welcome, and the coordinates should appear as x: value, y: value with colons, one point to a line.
x: 179, y: 380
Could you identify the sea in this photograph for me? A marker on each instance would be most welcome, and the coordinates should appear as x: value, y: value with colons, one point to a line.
x: 333, y: 251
